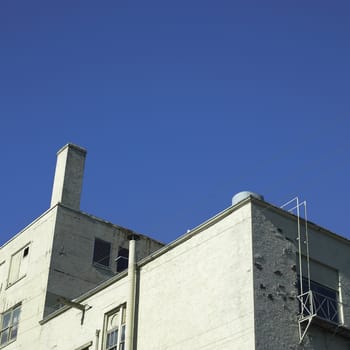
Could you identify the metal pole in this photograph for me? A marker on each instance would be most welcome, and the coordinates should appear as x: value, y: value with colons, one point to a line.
x: 97, y: 338
x: 299, y: 247
x: 130, y: 306
x: 307, y: 248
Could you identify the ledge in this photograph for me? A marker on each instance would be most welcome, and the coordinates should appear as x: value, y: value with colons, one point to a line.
x: 332, y: 327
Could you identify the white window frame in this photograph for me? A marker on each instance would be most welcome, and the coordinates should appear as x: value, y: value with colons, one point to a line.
x: 120, y: 341
x: 2, y: 274
x: 18, y: 265
x: 10, y: 326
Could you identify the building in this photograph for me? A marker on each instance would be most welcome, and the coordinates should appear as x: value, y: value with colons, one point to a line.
x: 59, y: 256
x: 254, y: 276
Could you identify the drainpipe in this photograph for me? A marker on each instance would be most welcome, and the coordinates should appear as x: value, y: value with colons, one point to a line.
x: 130, y: 305
x: 97, y: 338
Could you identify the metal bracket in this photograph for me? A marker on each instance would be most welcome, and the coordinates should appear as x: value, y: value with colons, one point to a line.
x: 307, y: 313
x: 76, y: 305
x: 302, y: 332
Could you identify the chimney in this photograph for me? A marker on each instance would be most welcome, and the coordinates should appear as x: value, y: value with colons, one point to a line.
x: 68, y: 179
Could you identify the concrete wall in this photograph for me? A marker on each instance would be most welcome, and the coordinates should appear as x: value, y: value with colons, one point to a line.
x: 30, y: 289
x: 59, y: 263
x: 228, y: 284
x: 197, y: 294
x: 68, y: 178
x: 72, y: 271
x: 275, y: 250
x: 67, y: 332
x: 60, y: 258
x: 275, y: 279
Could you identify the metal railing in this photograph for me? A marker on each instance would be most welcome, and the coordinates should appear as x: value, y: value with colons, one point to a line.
x: 316, y: 304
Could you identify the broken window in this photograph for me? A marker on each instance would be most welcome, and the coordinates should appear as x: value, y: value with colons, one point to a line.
x: 122, y: 259
x: 9, y: 325
x: 115, y: 330
x: 18, y: 265
x: 102, y: 252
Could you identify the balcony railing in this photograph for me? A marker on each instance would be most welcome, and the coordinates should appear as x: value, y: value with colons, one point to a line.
x: 316, y: 304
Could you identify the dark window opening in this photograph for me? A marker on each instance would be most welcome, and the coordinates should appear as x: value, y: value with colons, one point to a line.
x: 122, y: 259
x: 323, y: 302
x: 102, y: 251
x: 25, y: 252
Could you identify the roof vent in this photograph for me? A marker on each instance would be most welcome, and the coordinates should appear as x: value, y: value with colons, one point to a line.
x: 243, y: 195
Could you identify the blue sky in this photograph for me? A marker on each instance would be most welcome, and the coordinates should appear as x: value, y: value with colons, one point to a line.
x: 180, y: 106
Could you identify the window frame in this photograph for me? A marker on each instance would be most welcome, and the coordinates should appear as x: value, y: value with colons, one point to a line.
x: 98, y: 263
x: 9, y: 327
x: 2, y: 274
x: 120, y: 329
x: 122, y: 260
x: 322, y: 294
x: 14, y: 278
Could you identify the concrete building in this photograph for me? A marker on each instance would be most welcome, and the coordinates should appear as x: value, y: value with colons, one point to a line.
x: 59, y: 256
x: 253, y: 277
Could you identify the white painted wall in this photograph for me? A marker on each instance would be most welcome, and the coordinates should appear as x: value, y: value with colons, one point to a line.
x: 30, y: 289
x: 197, y: 295
x: 228, y: 284
x: 59, y: 262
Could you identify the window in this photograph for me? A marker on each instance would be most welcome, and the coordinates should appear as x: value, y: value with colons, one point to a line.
x: 102, y: 252
x: 25, y: 252
x: 122, y: 259
x: 9, y: 325
x: 115, y: 330
x: 2, y: 274
x: 18, y: 265
x: 321, y: 302
x: 322, y: 299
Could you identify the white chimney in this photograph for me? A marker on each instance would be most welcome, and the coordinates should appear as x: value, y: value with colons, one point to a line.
x: 68, y: 179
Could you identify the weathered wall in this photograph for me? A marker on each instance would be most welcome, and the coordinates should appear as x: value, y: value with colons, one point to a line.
x: 229, y: 284
x: 61, y: 244
x: 68, y: 178
x: 67, y: 332
x: 275, y: 250
x: 275, y: 291
x: 72, y: 271
x: 30, y: 289
x: 196, y: 295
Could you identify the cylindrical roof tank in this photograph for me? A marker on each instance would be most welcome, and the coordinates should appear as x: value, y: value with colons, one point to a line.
x: 245, y: 194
